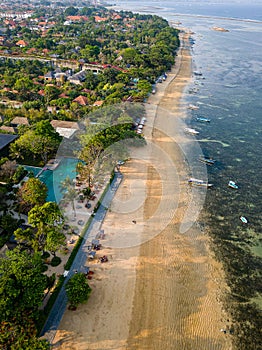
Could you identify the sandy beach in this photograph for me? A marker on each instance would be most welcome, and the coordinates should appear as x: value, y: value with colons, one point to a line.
x: 161, y: 288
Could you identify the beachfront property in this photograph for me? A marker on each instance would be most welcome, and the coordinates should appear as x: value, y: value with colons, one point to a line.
x: 5, y: 141
x: 65, y: 129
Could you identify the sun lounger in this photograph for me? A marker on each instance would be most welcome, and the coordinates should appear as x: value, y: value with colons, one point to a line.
x: 92, y: 254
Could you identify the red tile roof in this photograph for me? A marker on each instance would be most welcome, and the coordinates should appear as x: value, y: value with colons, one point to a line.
x: 98, y: 103
x: 22, y: 43
x: 82, y: 100
x: 100, y: 19
x: 77, y: 18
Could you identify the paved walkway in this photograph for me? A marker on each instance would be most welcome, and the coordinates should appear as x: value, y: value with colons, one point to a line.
x: 59, y: 307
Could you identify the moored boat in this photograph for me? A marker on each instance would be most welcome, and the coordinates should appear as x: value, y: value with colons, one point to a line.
x: 243, y: 219
x: 232, y: 184
x: 191, y: 131
x: 203, y: 120
x: 199, y: 183
x: 208, y: 161
x: 197, y: 73
x: 193, y: 107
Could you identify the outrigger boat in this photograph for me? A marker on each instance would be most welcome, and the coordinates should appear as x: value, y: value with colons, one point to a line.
x: 207, y: 161
x: 191, y: 131
x: 232, y: 184
x: 203, y: 120
x: 197, y: 182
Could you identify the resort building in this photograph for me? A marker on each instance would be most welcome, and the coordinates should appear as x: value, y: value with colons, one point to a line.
x: 65, y: 128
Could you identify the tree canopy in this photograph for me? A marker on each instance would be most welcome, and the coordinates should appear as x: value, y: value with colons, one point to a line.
x: 41, y: 140
x: 46, y: 231
x: 33, y: 192
x: 77, y: 289
x: 22, y: 285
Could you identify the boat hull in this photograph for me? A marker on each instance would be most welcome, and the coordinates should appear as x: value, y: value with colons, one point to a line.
x: 199, y: 183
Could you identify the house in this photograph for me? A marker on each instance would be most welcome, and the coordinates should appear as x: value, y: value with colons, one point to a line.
x: 63, y: 95
x: 78, y: 78
x: 5, y: 140
x: 81, y: 100
x: 60, y: 77
x: 116, y: 16
x: 49, y: 76
x: 10, y: 23
x: 65, y: 128
x: 77, y: 18
x: 17, y: 121
x: 100, y: 19
x: 8, y: 129
x: 98, y: 103
x: 52, y: 109
x: 31, y: 51
x: 22, y: 43
x: 41, y: 92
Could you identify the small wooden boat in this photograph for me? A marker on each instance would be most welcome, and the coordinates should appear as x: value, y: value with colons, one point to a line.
x: 199, y: 183
x: 243, y: 219
x: 232, y: 184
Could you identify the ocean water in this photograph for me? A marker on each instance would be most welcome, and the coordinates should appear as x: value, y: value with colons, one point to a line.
x: 218, y: 8
x: 229, y: 92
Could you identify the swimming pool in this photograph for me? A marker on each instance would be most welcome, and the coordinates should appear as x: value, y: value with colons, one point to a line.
x: 53, y: 178
x: 33, y: 169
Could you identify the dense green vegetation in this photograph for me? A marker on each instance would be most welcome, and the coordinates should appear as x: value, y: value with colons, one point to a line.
x: 22, y: 286
x: 131, y: 51
x: 40, y: 140
x: 77, y: 290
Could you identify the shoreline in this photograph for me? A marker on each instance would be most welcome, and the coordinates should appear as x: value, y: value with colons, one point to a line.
x: 170, y: 270
x: 152, y: 10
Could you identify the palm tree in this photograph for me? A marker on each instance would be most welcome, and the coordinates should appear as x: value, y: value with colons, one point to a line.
x: 69, y: 192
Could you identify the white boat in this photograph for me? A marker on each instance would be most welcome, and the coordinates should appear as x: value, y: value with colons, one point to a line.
x: 197, y: 182
x: 203, y: 120
x: 232, y: 184
x: 191, y: 131
x: 243, y: 219
x: 197, y: 73
x: 193, y: 107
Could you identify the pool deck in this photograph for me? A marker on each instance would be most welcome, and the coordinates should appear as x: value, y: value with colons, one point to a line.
x: 52, y: 164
